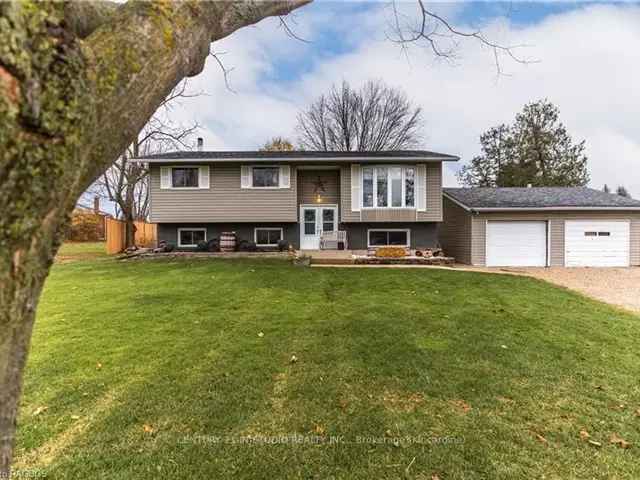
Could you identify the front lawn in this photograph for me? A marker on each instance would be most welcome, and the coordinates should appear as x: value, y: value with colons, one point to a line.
x: 184, y: 369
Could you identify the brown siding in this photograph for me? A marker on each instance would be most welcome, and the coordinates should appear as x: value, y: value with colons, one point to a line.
x: 556, y: 231
x: 307, y: 181
x: 455, y: 232
x: 223, y: 201
x: 433, y: 192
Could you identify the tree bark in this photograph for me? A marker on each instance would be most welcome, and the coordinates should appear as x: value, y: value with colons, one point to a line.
x: 76, y: 86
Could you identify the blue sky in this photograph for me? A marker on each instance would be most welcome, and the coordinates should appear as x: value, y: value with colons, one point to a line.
x: 588, y: 63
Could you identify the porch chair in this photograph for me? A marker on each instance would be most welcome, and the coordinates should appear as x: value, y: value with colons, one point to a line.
x: 330, y: 240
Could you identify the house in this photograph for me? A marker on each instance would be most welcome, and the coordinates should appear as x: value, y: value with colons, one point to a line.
x: 540, y: 227
x: 377, y: 198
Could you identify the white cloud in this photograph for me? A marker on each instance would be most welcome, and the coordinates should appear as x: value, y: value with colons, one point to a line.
x: 589, y: 66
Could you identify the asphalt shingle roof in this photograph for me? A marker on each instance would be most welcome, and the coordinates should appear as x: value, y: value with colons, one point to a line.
x: 538, y: 197
x: 297, y: 155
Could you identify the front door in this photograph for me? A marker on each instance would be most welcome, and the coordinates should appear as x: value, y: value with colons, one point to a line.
x: 313, y: 221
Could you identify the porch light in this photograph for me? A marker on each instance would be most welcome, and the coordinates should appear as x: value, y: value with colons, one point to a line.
x: 318, y: 189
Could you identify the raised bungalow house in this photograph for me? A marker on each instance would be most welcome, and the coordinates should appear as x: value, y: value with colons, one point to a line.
x: 377, y: 198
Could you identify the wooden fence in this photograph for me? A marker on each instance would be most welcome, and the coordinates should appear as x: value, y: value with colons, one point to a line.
x: 146, y: 235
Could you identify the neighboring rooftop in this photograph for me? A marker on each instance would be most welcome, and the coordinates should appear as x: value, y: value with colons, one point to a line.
x: 538, y: 197
x: 298, y: 155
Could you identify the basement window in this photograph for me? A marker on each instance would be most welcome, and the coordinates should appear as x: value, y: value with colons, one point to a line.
x: 386, y: 238
x: 190, y: 237
x: 604, y: 234
x: 267, y: 237
x: 590, y: 234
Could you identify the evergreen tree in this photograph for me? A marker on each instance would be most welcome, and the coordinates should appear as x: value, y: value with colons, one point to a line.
x: 536, y: 150
x: 623, y: 192
x: 606, y: 188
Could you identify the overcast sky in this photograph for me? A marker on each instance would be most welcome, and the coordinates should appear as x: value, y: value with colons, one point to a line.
x: 588, y: 63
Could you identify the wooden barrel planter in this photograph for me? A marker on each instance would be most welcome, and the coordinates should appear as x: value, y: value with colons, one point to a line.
x: 228, y: 242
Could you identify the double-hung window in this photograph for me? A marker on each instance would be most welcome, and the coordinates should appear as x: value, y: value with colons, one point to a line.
x: 184, y: 177
x: 265, y: 177
x: 388, y: 187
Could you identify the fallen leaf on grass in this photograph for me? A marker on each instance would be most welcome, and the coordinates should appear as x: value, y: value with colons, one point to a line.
x: 541, y: 439
x: 638, y: 412
x: 594, y: 443
x: 584, y: 434
x: 294, y: 359
x: 505, y: 399
x: 319, y: 429
x: 75, y: 417
x: 148, y: 428
x: 39, y: 410
x: 98, y: 365
x: 435, y: 477
x: 260, y: 334
x: 616, y: 440
x: 462, y: 405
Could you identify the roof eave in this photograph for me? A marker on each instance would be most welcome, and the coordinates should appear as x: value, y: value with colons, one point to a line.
x: 538, y: 209
x: 294, y: 160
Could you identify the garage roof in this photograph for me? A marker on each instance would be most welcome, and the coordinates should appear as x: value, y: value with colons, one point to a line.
x: 297, y: 156
x: 538, y: 198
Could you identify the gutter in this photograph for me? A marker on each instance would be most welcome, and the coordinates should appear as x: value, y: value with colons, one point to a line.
x: 296, y: 159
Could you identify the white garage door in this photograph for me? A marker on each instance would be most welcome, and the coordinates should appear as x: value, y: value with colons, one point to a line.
x: 516, y: 244
x: 595, y: 243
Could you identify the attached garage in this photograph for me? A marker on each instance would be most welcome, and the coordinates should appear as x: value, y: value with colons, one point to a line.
x: 537, y: 227
x: 516, y: 243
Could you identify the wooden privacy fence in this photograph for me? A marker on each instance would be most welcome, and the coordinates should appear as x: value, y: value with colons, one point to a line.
x: 146, y: 235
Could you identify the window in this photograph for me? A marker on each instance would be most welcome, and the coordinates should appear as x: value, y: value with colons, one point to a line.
x: 388, y: 187
x: 190, y: 237
x: 604, y: 234
x: 265, y: 177
x: 328, y: 216
x: 268, y: 237
x: 590, y: 234
x: 385, y: 238
x: 184, y: 177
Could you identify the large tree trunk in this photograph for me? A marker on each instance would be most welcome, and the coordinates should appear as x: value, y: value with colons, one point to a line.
x: 78, y: 81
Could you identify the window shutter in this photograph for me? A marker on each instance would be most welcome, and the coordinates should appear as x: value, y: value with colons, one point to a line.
x: 203, y: 181
x: 356, y: 197
x: 245, y: 176
x: 285, y: 176
x: 421, y: 190
x: 165, y: 177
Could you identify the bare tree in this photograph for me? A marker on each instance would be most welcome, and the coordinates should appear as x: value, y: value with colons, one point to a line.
x: 126, y: 183
x: 278, y: 144
x: 376, y: 117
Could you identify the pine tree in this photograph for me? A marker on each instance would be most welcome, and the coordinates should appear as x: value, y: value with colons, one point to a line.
x: 536, y: 150
x: 623, y: 192
x: 606, y: 188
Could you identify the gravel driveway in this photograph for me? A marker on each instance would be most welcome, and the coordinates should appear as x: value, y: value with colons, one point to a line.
x: 618, y: 286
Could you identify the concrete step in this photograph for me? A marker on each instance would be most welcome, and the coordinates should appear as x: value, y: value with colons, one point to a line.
x: 331, y: 261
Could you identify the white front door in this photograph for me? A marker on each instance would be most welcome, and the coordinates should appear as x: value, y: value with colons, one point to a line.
x: 313, y: 221
x: 596, y: 243
x: 516, y: 244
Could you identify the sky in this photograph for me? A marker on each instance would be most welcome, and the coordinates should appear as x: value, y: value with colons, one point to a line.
x: 583, y: 56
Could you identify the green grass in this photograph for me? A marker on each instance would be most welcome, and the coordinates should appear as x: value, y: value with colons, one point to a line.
x: 156, y: 369
x: 73, y: 251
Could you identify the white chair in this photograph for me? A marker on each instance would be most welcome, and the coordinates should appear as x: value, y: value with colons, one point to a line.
x: 330, y: 240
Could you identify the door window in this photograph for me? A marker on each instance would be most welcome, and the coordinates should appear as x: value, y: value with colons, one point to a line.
x: 328, y: 217
x: 309, y: 221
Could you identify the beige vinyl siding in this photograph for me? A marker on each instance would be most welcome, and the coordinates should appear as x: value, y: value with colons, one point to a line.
x: 223, y: 201
x: 434, y: 194
x: 433, y: 212
x: 455, y: 231
x: 556, y: 231
x: 307, y: 181
x: 388, y: 215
